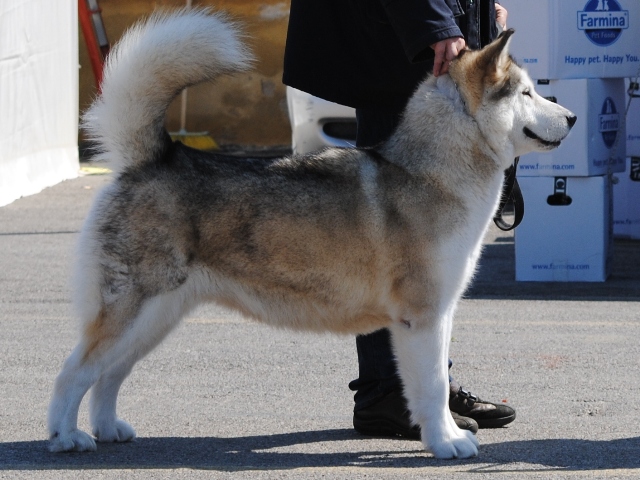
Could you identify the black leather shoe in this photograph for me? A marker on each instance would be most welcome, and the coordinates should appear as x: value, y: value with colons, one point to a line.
x: 390, y: 418
x: 486, y: 414
x: 465, y: 423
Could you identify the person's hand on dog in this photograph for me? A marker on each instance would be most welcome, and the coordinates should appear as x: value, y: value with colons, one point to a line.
x: 446, y: 50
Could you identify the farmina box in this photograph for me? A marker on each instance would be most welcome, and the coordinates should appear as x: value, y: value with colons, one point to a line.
x: 567, y: 233
x: 576, y: 38
x: 626, y: 201
x: 633, y: 118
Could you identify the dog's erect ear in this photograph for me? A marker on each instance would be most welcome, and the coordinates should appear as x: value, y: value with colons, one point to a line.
x: 496, y: 54
x: 474, y: 70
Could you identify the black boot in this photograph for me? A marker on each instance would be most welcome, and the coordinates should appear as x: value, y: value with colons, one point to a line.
x: 486, y: 414
x: 390, y: 418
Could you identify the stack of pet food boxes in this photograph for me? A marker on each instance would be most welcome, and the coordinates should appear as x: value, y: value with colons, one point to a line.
x: 626, y: 190
x: 578, y: 52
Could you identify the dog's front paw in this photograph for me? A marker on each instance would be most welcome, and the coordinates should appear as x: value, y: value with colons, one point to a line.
x: 454, y: 448
x: 460, y: 444
x: 73, y: 441
x: 118, y: 431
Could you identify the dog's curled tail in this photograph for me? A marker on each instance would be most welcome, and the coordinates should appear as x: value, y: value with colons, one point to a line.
x: 148, y: 67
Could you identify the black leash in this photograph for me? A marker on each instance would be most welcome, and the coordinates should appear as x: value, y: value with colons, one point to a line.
x: 510, y: 193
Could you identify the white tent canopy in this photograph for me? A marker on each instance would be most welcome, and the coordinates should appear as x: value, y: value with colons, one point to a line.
x: 38, y: 95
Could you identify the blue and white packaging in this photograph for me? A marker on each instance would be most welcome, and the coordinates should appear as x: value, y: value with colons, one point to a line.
x: 576, y: 38
x: 596, y: 144
x: 633, y: 123
x: 566, y: 233
x: 626, y: 201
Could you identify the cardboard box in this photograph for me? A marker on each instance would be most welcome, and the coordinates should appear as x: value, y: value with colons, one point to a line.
x: 576, y: 38
x: 626, y: 201
x: 566, y: 233
x: 633, y: 121
x: 596, y: 144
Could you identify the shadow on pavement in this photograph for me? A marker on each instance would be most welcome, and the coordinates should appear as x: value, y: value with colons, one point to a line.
x: 256, y: 453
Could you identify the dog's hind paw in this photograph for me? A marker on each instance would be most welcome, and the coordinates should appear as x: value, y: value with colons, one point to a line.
x: 465, y: 446
x: 118, y: 431
x: 73, y: 441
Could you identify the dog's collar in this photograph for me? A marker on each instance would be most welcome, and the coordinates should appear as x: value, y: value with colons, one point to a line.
x: 373, y: 153
x: 460, y: 97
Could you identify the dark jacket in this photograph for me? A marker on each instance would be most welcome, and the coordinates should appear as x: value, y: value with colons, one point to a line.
x: 373, y: 53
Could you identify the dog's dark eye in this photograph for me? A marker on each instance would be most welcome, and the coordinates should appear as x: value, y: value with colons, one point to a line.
x: 526, y: 92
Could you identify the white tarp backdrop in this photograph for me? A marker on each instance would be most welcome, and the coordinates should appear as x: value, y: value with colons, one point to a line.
x: 38, y: 95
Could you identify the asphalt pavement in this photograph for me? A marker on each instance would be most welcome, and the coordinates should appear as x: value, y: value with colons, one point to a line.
x: 227, y: 398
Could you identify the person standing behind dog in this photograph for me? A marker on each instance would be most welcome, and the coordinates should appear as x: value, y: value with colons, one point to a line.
x: 371, y: 55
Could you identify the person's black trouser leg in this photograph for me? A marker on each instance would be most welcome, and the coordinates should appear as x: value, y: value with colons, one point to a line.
x: 377, y: 372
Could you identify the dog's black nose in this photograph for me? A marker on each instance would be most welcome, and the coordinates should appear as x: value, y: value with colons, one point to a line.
x: 571, y: 120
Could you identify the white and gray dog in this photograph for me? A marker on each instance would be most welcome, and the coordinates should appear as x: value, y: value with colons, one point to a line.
x: 344, y: 240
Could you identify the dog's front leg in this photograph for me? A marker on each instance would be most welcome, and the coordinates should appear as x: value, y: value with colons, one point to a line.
x: 422, y: 352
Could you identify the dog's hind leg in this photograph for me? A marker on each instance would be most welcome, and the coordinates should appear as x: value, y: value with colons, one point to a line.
x: 107, y: 427
x: 70, y: 387
x: 106, y: 361
x: 421, y: 352
x: 156, y: 319
x: 99, y: 349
